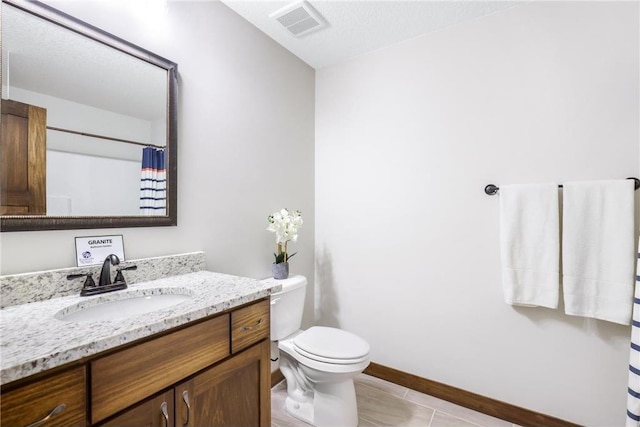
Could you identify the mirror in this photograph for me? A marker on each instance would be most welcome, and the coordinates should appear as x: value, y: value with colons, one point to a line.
x: 89, y: 126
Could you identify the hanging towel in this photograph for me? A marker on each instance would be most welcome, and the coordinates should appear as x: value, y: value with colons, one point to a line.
x: 597, y: 249
x: 633, y: 396
x: 529, y: 244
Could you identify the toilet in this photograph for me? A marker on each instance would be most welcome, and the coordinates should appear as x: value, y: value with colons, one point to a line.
x: 319, y: 364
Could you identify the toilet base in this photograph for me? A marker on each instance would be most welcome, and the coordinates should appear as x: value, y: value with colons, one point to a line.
x: 300, y: 410
x: 332, y: 405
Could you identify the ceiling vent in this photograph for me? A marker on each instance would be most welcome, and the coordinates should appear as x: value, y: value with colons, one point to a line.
x: 299, y: 18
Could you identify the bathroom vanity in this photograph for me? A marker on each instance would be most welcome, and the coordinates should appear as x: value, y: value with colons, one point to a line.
x: 203, y: 362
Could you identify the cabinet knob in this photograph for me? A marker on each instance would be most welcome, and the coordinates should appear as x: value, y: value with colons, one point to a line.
x: 165, y: 413
x: 185, y: 399
x: 257, y: 325
x: 61, y: 407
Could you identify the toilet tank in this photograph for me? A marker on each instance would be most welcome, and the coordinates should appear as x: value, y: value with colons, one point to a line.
x: 287, y: 307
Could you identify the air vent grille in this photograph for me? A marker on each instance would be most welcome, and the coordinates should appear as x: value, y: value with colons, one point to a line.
x: 296, y: 15
x: 299, y: 18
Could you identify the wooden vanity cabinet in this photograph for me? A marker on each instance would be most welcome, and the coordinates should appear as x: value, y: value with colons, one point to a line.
x: 219, y: 365
x: 232, y: 390
x: 30, y: 404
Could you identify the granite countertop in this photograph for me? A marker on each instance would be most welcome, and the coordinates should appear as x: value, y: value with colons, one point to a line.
x: 34, y: 340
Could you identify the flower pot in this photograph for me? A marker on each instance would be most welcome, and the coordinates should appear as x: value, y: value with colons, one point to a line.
x: 280, y: 271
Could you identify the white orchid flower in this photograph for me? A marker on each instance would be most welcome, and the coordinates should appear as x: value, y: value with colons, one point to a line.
x: 285, y: 225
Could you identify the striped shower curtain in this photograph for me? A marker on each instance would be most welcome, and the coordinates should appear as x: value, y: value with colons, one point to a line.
x: 153, y: 182
x: 633, y: 396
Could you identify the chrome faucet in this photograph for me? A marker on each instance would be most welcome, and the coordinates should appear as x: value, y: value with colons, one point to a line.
x: 105, y: 273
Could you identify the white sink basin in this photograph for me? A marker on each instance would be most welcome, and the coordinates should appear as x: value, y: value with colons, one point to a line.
x: 127, y: 305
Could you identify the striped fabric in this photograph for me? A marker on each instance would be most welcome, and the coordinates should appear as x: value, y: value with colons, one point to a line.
x: 153, y: 182
x: 633, y: 397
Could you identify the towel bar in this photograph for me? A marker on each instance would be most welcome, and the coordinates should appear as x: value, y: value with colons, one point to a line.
x: 492, y: 190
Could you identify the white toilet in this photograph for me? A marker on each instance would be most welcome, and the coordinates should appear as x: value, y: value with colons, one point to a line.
x: 319, y: 364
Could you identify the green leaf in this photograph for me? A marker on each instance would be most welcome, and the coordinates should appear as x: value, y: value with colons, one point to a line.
x: 279, y: 257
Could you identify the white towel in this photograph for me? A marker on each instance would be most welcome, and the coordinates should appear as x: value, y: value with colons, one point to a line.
x: 597, y: 249
x: 529, y: 244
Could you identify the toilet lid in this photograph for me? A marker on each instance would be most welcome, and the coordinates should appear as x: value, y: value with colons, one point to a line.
x: 327, y: 344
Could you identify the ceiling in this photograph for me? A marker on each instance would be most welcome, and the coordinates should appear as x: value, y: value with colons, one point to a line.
x: 356, y: 27
x: 42, y: 57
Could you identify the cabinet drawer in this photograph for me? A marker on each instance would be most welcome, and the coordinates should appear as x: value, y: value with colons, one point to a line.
x: 138, y: 372
x: 33, y: 402
x: 249, y: 325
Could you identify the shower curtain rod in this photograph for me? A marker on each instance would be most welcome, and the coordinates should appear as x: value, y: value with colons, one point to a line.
x: 104, y: 137
x: 492, y: 190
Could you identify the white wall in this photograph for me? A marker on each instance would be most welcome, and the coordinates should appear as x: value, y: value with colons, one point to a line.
x: 90, y: 176
x: 71, y: 115
x: 406, y: 240
x: 78, y: 184
x: 245, y: 135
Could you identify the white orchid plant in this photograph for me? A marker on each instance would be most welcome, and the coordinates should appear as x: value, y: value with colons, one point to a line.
x: 286, y: 225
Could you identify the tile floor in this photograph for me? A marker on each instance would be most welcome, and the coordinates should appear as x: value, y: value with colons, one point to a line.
x: 381, y: 403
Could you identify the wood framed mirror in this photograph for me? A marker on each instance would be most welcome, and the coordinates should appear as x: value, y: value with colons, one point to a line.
x: 83, y: 112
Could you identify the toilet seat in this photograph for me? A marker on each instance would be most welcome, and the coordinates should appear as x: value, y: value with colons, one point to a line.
x: 331, y: 345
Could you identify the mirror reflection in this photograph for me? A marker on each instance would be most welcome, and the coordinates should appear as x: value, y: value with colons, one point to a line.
x: 84, y: 125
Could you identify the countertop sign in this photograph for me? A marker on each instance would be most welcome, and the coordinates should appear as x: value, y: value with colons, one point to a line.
x: 94, y: 249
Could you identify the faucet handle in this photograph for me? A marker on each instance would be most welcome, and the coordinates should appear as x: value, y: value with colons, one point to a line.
x: 119, y: 277
x: 89, y: 283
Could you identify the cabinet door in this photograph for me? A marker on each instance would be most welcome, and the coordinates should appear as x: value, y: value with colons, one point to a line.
x: 155, y: 412
x: 23, y: 159
x: 59, y: 400
x: 234, y: 393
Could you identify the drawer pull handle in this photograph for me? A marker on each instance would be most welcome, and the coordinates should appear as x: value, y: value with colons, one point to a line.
x: 61, y: 407
x: 185, y: 399
x: 165, y: 413
x: 257, y: 325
